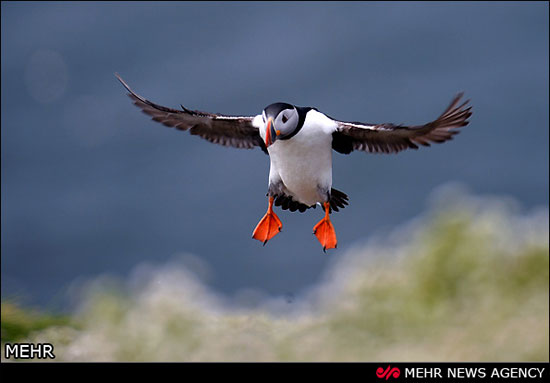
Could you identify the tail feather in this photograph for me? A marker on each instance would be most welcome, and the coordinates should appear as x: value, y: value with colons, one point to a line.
x: 338, y: 199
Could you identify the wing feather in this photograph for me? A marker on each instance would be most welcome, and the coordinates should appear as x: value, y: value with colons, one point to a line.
x: 390, y: 138
x: 235, y: 131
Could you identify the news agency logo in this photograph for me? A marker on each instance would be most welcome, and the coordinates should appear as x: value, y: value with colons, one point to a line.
x: 389, y: 372
x: 28, y: 351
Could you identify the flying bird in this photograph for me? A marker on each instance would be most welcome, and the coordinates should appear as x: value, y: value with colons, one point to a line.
x: 299, y: 142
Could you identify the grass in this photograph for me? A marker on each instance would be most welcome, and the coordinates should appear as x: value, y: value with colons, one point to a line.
x: 468, y: 282
x: 19, y: 324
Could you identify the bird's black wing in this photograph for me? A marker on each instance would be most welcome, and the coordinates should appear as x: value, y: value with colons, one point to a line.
x: 390, y: 138
x: 235, y: 131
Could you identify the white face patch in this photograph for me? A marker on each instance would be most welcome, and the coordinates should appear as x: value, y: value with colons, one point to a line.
x: 286, y: 121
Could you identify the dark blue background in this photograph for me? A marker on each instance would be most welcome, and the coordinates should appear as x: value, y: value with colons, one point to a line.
x: 90, y: 185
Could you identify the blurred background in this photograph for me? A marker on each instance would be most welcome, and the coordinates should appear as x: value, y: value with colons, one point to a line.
x: 93, y: 190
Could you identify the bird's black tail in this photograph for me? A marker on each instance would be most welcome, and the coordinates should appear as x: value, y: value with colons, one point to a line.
x: 338, y: 199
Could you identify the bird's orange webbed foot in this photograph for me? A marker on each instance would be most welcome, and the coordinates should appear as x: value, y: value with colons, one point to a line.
x: 324, y: 231
x: 269, y: 226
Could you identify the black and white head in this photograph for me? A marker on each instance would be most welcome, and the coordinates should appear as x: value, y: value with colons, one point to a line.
x: 281, y: 121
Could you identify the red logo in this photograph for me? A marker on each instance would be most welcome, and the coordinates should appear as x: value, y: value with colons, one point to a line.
x: 388, y: 372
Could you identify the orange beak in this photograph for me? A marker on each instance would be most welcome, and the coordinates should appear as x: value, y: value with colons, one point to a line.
x: 268, y: 132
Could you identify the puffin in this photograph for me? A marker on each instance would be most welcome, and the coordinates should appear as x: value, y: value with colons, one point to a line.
x: 300, y: 141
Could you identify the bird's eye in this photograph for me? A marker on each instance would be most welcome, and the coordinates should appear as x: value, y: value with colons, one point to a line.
x: 285, y: 119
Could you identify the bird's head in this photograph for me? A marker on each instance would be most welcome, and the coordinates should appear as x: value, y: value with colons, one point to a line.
x: 280, y: 120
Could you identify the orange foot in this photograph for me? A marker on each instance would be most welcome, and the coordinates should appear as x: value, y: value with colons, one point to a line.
x: 324, y: 231
x: 269, y: 226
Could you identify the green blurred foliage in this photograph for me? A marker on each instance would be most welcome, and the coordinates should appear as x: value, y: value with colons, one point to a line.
x: 468, y: 283
x: 18, y: 324
x: 456, y: 296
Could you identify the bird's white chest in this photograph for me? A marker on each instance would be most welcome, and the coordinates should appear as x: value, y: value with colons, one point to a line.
x: 304, y: 162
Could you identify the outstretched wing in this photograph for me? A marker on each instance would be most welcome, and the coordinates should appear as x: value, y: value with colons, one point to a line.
x: 235, y: 131
x: 390, y: 138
